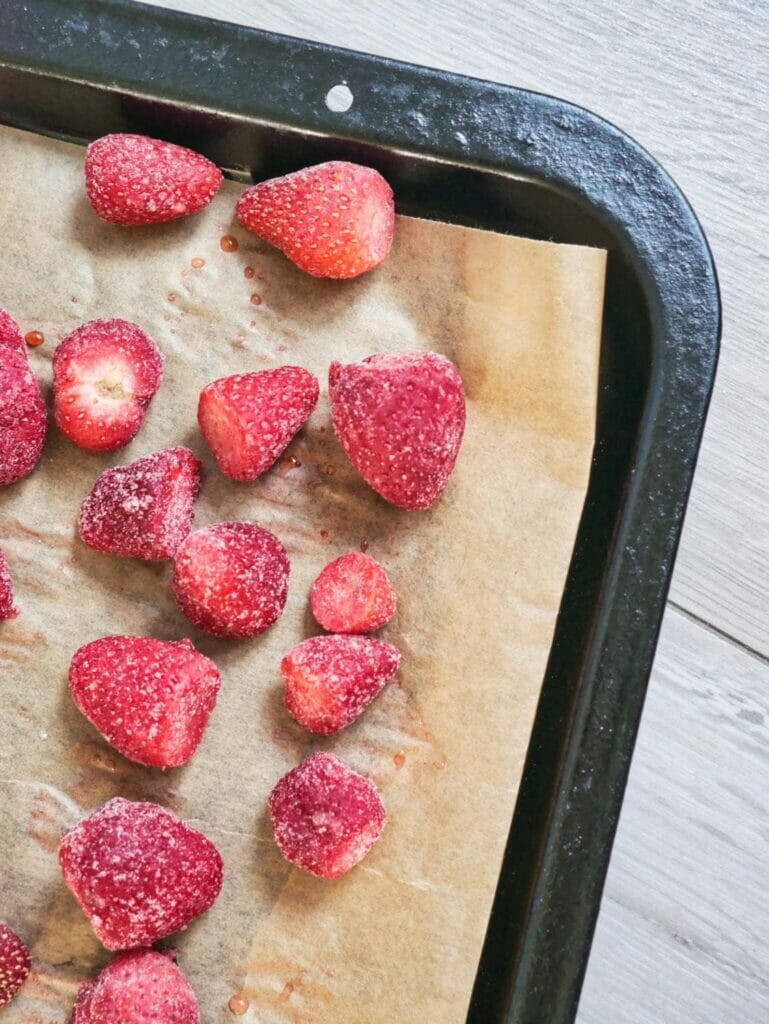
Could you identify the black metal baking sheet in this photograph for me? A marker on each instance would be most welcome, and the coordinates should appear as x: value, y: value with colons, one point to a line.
x: 472, y: 152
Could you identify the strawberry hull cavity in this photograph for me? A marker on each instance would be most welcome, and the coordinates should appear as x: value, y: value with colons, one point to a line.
x: 105, y: 375
x: 132, y: 179
x: 231, y: 579
x: 353, y: 595
x: 248, y: 419
x: 331, y: 680
x: 145, y: 509
x: 332, y: 220
x: 7, y: 608
x: 150, y: 699
x: 23, y: 417
x: 15, y: 964
x: 400, y: 418
x: 143, y: 987
x: 139, y: 872
x: 325, y: 816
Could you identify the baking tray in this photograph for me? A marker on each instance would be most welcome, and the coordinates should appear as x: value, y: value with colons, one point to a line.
x: 472, y: 152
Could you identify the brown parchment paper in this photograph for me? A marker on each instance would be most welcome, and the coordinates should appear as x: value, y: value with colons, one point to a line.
x: 479, y: 581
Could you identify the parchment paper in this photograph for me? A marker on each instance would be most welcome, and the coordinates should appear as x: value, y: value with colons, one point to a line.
x: 479, y: 581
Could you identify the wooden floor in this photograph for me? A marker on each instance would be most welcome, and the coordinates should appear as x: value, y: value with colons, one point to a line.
x: 683, y: 936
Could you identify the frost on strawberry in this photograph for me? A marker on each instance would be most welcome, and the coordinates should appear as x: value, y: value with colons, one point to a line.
x: 7, y: 608
x: 139, y: 872
x: 231, y: 579
x: 325, y: 816
x: 353, y: 595
x: 248, y: 419
x: 23, y: 416
x: 143, y: 987
x: 105, y: 375
x: 133, y: 179
x: 400, y: 418
x: 331, y: 680
x: 15, y: 964
x: 150, y: 699
x: 332, y: 220
x: 145, y: 509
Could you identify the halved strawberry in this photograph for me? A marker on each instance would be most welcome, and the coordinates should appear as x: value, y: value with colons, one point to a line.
x: 400, y: 418
x: 333, y: 220
x: 15, y: 963
x: 325, y: 816
x: 248, y: 419
x: 331, y: 680
x: 23, y: 417
x: 150, y: 699
x: 105, y: 374
x: 139, y: 872
x: 133, y: 179
x: 231, y: 579
x: 143, y: 987
x: 145, y: 509
x: 7, y: 607
x: 353, y: 595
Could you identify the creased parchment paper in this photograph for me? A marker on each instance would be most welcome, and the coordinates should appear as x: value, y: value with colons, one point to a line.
x: 479, y: 580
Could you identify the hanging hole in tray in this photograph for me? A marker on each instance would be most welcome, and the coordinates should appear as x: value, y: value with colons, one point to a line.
x: 339, y: 98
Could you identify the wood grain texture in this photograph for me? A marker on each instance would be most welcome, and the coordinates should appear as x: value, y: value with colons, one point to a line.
x: 683, y: 936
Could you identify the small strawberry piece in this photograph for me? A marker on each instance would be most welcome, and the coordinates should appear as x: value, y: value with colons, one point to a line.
x: 231, y: 579
x: 7, y: 608
x: 132, y: 179
x: 400, y: 418
x: 331, y: 680
x: 139, y: 872
x: 247, y: 420
x: 326, y: 817
x: 353, y: 595
x: 143, y: 987
x: 105, y: 374
x: 150, y: 699
x: 15, y: 963
x: 145, y: 509
x: 333, y: 220
x: 23, y: 418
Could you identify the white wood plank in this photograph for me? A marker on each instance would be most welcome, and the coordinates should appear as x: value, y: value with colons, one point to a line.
x: 685, y: 78
x: 683, y: 935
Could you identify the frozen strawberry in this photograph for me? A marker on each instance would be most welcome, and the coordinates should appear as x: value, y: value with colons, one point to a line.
x: 139, y: 872
x: 145, y: 509
x: 23, y: 418
x: 15, y: 963
x: 231, y: 579
x: 143, y: 987
x: 353, y: 595
x: 333, y: 220
x: 105, y: 374
x: 150, y: 699
x: 7, y: 609
x: 326, y: 817
x: 132, y: 179
x: 400, y: 418
x: 247, y: 420
x: 331, y: 680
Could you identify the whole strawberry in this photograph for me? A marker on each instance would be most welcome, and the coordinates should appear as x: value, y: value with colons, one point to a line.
x: 132, y: 179
x: 353, y: 595
x: 15, y: 963
x: 150, y: 699
x: 139, y: 872
x: 400, y: 418
x: 145, y: 509
x: 248, y: 419
x: 7, y: 608
x: 23, y: 417
x: 333, y: 220
x: 143, y: 987
x: 105, y: 375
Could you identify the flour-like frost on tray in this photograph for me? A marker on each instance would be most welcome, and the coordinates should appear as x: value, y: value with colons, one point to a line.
x: 479, y: 580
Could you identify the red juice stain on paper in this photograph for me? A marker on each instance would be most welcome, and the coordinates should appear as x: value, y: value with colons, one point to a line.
x: 330, y: 470
x: 399, y: 760
x: 248, y: 272
x: 238, y: 1005
x: 256, y: 300
x: 324, y: 534
x: 289, y: 463
x: 171, y: 297
x: 228, y: 243
x: 34, y: 338
x: 197, y: 262
x: 364, y: 545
